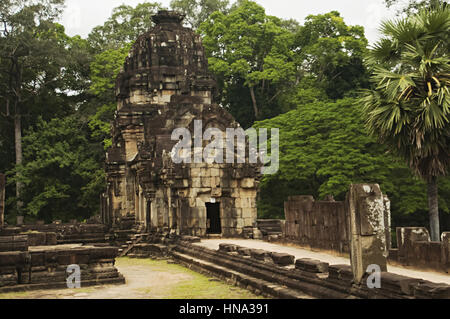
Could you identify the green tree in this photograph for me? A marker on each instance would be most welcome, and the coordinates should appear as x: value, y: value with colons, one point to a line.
x: 409, y: 108
x: 197, y: 11
x: 249, y: 49
x: 324, y: 147
x: 31, y: 54
x: 104, y: 70
x: 61, y: 171
x: 411, y: 6
x: 124, y: 26
x: 332, y: 53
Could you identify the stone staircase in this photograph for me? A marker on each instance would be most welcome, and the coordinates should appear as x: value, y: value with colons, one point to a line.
x: 276, y: 275
x: 260, y: 277
x: 126, y: 239
x: 270, y: 227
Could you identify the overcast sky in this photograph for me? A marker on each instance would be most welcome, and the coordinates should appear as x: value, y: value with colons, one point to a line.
x: 82, y: 15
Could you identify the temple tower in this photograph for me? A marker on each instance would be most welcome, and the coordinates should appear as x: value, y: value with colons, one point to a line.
x: 165, y: 85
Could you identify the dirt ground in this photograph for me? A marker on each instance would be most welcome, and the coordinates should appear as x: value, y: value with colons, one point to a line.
x: 147, y: 279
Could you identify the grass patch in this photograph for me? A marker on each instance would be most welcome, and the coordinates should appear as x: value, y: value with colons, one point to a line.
x: 186, y: 284
x: 197, y: 287
x: 201, y: 287
x: 55, y: 293
x: 15, y: 295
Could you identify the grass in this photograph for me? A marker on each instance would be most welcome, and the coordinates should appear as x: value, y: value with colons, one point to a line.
x: 28, y: 294
x: 14, y: 295
x: 186, y: 284
x: 198, y: 286
x: 202, y: 287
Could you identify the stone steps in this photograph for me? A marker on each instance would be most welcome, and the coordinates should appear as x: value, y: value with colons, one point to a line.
x: 310, y: 277
x: 245, y: 281
x: 304, y: 283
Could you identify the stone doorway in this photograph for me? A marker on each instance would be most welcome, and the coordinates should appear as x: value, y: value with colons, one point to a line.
x: 213, y: 223
x: 148, y: 218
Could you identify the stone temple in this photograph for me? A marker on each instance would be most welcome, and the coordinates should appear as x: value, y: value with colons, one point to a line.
x: 165, y: 85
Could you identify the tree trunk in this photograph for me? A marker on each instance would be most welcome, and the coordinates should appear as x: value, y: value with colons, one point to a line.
x: 433, y: 208
x: 19, y: 158
x: 255, y: 106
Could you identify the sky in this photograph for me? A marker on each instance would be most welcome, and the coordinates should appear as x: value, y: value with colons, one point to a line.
x: 81, y: 16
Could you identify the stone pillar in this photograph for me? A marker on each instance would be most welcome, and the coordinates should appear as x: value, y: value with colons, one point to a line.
x: 445, y: 251
x: 406, y: 236
x: 366, y: 208
x: 387, y: 222
x: 2, y: 199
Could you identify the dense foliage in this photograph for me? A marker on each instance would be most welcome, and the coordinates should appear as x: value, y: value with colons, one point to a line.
x: 324, y: 147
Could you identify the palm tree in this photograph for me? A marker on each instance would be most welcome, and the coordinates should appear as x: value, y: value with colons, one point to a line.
x: 409, y: 108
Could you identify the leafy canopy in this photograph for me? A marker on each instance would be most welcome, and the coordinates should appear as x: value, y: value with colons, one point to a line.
x: 324, y: 147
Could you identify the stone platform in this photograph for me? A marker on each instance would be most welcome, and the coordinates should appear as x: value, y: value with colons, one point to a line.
x: 44, y: 267
x: 298, y: 252
x: 275, y: 271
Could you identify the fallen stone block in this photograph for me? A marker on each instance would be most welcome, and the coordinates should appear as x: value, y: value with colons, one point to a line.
x: 244, y: 251
x: 259, y: 254
x: 191, y: 239
x: 282, y: 259
x: 430, y: 290
x: 272, y: 238
x: 341, y: 273
x: 398, y: 284
x: 311, y: 265
x: 228, y: 248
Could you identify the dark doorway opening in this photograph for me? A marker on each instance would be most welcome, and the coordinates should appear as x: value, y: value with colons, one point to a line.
x: 148, y: 215
x: 214, y: 224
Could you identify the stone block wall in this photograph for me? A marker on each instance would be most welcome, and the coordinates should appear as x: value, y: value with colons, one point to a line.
x: 415, y: 248
x: 317, y: 224
x: 46, y: 267
x: 13, y: 243
x: 52, y: 234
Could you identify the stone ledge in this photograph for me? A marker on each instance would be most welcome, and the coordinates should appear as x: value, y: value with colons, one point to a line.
x: 282, y: 259
x: 311, y: 265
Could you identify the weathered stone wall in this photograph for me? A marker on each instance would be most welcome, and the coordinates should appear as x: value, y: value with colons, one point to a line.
x: 46, y: 267
x: 13, y: 243
x: 415, y: 248
x: 52, y: 234
x: 317, y: 224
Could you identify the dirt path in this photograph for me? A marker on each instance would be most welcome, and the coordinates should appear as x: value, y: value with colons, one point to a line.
x: 304, y: 253
x: 147, y: 279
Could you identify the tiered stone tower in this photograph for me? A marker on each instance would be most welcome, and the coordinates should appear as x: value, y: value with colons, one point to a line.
x: 165, y: 85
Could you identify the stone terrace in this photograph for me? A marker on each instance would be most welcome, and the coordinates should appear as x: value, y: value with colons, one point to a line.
x: 324, y: 257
